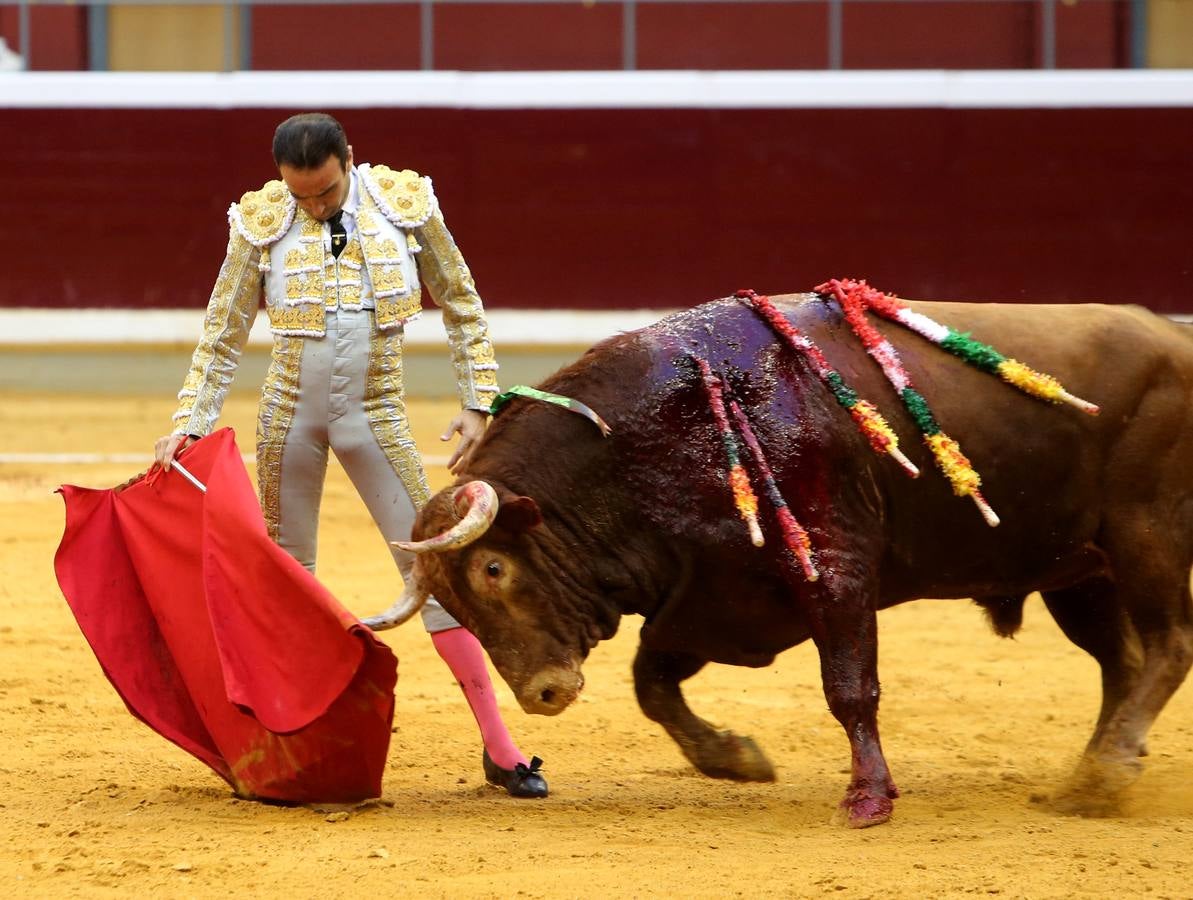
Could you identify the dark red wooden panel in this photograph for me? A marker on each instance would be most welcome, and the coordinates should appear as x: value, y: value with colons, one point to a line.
x: 57, y: 36
x: 732, y: 35
x: 528, y: 36
x: 1093, y: 35
x: 1002, y: 34
x: 364, y: 36
x: 933, y: 35
x: 633, y: 208
x: 9, y: 26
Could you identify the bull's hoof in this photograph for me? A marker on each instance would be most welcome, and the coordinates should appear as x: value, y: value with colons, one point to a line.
x: 1092, y: 805
x: 520, y: 781
x: 1096, y: 788
x: 734, y: 757
x: 863, y: 810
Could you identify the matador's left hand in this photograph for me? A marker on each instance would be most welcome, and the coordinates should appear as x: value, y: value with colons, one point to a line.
x: 471, y: 425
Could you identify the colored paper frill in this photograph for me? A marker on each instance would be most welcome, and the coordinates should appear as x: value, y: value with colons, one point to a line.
x: 220, y: 641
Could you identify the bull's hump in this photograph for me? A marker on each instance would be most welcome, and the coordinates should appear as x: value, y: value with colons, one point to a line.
x: 707, y: 319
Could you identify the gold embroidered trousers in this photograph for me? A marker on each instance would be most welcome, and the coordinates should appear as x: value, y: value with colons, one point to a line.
x: 344, y: 392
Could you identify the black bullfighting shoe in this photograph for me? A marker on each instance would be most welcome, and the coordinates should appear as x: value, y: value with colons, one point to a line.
x: 521, y: 781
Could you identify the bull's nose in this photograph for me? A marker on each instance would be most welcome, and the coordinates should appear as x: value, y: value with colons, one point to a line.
x: 551, y: 690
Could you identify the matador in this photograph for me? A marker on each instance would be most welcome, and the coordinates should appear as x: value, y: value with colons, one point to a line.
x: 339, y: 251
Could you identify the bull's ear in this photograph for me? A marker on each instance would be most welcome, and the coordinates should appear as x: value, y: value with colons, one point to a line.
x: 518, y: 514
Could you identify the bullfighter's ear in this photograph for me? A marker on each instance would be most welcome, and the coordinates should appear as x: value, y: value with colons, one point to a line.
x: 518, y: 514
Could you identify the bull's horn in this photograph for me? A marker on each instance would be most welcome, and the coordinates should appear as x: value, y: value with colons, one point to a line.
x: 477, y: 503
x: 404, y: 607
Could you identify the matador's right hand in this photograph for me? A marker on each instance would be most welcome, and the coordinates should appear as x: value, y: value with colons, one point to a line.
x: 169, y: 445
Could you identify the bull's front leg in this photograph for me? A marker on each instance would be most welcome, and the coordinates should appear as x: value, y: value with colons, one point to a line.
x: 845, y: 631
x: 716, y: 753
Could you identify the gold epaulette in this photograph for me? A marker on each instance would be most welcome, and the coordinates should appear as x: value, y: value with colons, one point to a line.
x: 263, y: 216
x: 404, y: 197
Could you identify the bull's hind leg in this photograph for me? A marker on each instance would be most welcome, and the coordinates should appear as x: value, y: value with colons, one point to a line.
x: 716, y: 753
x: 1092, y: 617
x: 1153, y: 590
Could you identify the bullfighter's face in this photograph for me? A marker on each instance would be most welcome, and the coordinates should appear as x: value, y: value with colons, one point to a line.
x: 320, y: 192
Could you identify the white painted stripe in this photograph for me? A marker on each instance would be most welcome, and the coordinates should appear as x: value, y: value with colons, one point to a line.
x: 596, y: 90
x: 137, y: 459
x: 541, y: 328
x: 528, y: 327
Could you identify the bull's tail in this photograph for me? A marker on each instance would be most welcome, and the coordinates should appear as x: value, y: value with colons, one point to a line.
x: 1005, y: 613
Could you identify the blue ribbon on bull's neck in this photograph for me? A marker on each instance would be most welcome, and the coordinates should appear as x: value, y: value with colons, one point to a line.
x: 521, y: 390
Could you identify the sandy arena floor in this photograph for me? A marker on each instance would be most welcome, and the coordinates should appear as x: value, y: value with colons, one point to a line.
x: 978, y: 731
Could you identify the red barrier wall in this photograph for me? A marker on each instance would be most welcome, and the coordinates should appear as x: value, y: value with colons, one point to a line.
x: 742, y: 36
x: 638, y: 208
x: 999, y: 34
x: 350, y: 37
x: 992, y: 34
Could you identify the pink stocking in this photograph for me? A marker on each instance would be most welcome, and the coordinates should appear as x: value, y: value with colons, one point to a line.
x: 466, y: 658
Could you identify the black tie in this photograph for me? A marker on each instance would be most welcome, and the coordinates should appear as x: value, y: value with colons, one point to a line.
x: 339, y: 234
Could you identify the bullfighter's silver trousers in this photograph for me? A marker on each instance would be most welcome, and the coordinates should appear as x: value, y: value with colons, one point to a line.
x: 329, y: 411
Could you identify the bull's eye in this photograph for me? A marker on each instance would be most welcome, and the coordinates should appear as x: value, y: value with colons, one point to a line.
x: 488, y: 573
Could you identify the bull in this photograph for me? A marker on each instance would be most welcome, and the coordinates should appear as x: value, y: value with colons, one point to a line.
x: 555, y: 532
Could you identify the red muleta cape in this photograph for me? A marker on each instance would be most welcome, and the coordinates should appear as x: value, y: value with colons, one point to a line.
x: 219, y: 640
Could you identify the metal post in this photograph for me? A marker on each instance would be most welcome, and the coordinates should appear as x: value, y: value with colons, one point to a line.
x: 1139, y: 33
x: 629, y: 35
x: 426, y: 41
x: 245, y: 23
x: 230, y: 29
x: 836, y: 40
x: 23, y: 32
x: 1048, y: 33
x: 97, y: 37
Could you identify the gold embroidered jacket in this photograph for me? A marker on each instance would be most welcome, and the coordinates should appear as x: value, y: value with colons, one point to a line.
x: 276, y: 248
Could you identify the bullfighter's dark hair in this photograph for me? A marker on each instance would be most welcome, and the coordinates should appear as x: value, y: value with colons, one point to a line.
x: 306, y: 141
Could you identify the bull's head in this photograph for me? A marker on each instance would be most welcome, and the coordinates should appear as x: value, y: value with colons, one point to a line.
x: 471, y: 560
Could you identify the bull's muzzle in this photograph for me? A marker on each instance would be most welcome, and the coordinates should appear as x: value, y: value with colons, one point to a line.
x: 551, y: 690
